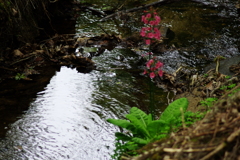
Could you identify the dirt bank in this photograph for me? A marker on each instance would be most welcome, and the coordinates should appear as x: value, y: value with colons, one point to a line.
x: 23, y: 21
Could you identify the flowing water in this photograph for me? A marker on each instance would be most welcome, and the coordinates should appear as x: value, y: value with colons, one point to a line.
x: 67, y: 120
x: 66, y: 117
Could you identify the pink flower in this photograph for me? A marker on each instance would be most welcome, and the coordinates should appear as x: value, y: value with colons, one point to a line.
x: 152, y: 75
x: 149, y: 63
x: 156, y: 30
x: 143, y: 33
x: 148, y: 16
x: 148, y: 41
x: 160, y: 73
x: 143, y: 18
x: 157, y: 20
x: 152, y: 23
x: 157, y: 36
x: 150, y: 35
x: 157, y: 33
x: 145, y: 71
x: 153, y: 68
x: 158, y: 64
x: 148, y: 28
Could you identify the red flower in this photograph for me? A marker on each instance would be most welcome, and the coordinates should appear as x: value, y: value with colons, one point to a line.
x: 152, y: 23
x: 145, y: 71
x: 148, y: 41
x: 150, y: 35
x: 148, y: 16
x: 158, y: 64
x: 152, y: 75
x: 143, y: 32
x: 157, y: 20
x: 160, y: 73
x: 149, y: 63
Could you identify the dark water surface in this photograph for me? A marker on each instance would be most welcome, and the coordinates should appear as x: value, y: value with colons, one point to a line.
x: 65, y: 116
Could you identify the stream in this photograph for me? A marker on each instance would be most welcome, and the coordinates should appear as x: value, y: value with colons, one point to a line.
x: 65, y: 116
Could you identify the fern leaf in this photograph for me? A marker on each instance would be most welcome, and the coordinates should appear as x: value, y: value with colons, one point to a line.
x: 173, y: 112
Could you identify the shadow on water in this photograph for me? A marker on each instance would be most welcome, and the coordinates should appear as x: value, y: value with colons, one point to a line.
x: 64, y: 115
x: 15, y: 96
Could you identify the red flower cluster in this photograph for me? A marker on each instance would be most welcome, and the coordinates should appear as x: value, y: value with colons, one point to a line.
x: 150, y: 32
x: 154, y: 67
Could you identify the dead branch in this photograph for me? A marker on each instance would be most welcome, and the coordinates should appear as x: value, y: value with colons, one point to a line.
x: 160, y: 2
x: 30, y: 56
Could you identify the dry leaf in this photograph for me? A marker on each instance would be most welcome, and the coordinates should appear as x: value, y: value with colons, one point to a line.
x: 17, y: 53
x: 209, y: 86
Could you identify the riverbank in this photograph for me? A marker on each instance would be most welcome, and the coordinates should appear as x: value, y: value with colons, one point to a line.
x: 21, y: 64
x: 24, y: 27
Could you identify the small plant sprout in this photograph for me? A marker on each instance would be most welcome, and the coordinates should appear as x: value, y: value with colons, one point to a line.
x: 208, y: 102
x: 205, y: 75
x: 20, y: 76
x: 227, y: 77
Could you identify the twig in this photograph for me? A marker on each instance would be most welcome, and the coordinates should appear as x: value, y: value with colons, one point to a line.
x: 138, y: 8
x: 190, y: 150
x: 222, y: 145
x: 147, y: 154
x: 103, y: 30
x: 32, y: 55
x: 8, y: 69
x: 168, y: 98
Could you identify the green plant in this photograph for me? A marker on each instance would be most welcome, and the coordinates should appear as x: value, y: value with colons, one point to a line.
x: 20, y: 76
x: 192, y: 117
x: 234, y: 91
x: 143, y: 129
x: 223, y: 87
x: 227, y: 77
x: 231, y: 86
x: 208, y: 102
x: 205, y: 75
